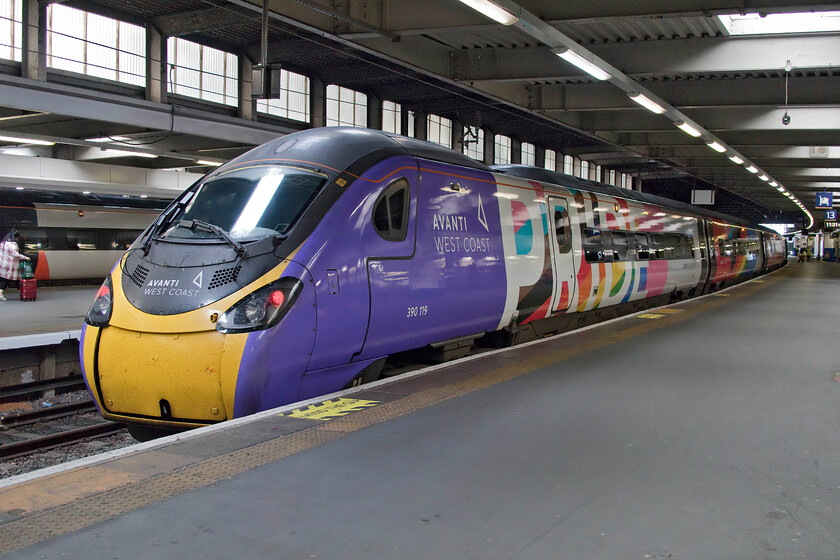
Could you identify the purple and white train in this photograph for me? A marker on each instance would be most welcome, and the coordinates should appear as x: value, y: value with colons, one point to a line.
x: 300, y: 267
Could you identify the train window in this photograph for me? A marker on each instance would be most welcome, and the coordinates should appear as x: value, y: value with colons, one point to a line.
x: 124, y: 238
x: 34, y: 240
x: 562, y: 229
x: 82, y: 239
x: 619, y: 245
x: 593, y: 245
x: 642, y: 247
x: 390, y: 213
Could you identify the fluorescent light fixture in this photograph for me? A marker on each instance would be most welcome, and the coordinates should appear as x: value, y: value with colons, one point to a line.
x: 589, y: 67
x: 123, y: 153
x: 18, y: 188
x: 752, y: 169
x: 208, y: 162
x: 108, y: 139
x: 716, y: 146
x: 18, y: 140
x: 687, y: 128
x: 780, y: 189
x: 736, y: 159
x: 764, y: 177
x: 774, y: 184
x: 144, y: 196
x: 646, y: 102
x: 85, y: 192
x: 492, y: 10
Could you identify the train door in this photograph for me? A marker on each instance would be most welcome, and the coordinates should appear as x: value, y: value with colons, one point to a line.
x: 562, y: 255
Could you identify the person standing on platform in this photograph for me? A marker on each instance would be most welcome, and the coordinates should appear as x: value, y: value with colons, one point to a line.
x: 10, y: 257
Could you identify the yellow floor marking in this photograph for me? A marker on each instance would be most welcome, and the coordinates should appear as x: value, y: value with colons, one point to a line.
x: 721, y: 295
x: 330, y: 409
x: 670, y: 311
x: 650, y: 316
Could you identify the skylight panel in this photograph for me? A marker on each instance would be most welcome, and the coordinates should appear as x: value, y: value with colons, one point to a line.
x: 771, y: 24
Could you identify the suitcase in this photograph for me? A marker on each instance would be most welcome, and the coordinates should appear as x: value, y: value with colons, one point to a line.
x: 28, y: 289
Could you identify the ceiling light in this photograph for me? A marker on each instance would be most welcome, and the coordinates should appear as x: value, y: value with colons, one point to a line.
x: 108, y: 139
x: 736, y: 159
x: 18, y: 140
x: 716, y: 146
x: 589, y: 67
x: 122, y: 153
x: 646, y: 102
x: 687, y: 128
x: 752, y: 169
x: 764, y: 177
x: 492, y: 10
x: 774, y: 184
x: 208, y: 162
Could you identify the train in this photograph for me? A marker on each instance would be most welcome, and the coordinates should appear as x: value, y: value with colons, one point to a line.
x: 311, y: 263
x: 75, y: 237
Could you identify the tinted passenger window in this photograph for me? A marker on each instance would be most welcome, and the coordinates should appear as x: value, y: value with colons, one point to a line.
x: 593, y: 245
x: 34, y: 240
x: 390, y: 213
x: 619, y: 245
x: 124, y: 239
x: 562, y: 229
x: 642, y: 247
x: 82, y: 239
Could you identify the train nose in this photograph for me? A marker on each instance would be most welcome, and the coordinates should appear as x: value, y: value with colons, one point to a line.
x: 150, y: 376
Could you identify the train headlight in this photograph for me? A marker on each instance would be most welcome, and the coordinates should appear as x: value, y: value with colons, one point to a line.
x: 100, y: 312
x: 261, y: 309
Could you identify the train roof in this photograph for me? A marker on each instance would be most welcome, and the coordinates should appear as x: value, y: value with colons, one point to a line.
x: 28, y: 197
x: 570, y: 181
x: 340, y: 147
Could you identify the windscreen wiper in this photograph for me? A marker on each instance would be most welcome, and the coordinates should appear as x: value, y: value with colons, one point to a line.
x: 206, y: 226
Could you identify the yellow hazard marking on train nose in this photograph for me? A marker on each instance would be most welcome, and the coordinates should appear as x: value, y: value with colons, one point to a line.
x: 330, y: 409
x: 650, y: 316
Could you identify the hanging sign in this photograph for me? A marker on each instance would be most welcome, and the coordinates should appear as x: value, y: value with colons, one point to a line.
x: 825, y: 201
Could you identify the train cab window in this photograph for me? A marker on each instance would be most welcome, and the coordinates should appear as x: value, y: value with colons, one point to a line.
x: 642, y: 247
x: 619, y: 245
x: 82, y: 239
x: 593, y: 245
x: 34, y: 240
x: 390, y: 213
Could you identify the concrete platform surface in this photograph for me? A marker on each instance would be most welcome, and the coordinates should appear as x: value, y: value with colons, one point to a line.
x: 705, y: 430
x: 56, y: 310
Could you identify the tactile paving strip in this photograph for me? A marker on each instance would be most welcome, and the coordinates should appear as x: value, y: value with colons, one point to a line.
x: 100, y: 507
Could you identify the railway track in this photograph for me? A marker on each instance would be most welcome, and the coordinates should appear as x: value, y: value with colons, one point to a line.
x: 30, y: 432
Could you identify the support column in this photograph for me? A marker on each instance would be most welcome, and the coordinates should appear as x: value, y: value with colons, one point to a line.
x: 539, y: 157
x: 156, y: 68
x: 515, y: 150
x: 34, y: 41
x: 247, y: 104
x: 317, y: 102
x: 489, y: 147
x: 457, y: 136
x: 420, y: 125
x: 374, y: 112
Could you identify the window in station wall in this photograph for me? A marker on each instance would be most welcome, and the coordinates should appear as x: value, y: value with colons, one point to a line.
x: 502, y: 152
x: 568, y: 165
x: 439, y: 130
x: 202, y: 72
x: 599, y: 173
x: 475, y: 147
x: 391, y: 117
x: 346, y: 107
x: 293, y: 102
x: 551, y: 160
x: 11, y: 29
x: 86, y: 43
x: 626, y: 181
x: 529, y: 154
x: 612, y: 179
x: 584, y: 169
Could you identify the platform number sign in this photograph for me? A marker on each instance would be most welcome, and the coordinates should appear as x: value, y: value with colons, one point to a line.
x: 825, y: 201
x: 831, y: 214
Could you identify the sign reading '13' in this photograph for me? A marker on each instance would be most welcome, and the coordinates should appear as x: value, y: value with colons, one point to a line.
x: 825, y: 200
x: 831, y: 214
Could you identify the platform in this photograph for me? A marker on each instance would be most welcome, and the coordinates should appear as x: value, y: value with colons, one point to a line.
x: 57, y: 314
x: 708, y: 429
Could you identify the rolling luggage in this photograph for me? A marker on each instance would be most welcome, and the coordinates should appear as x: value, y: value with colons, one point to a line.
x: 28, y: 289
